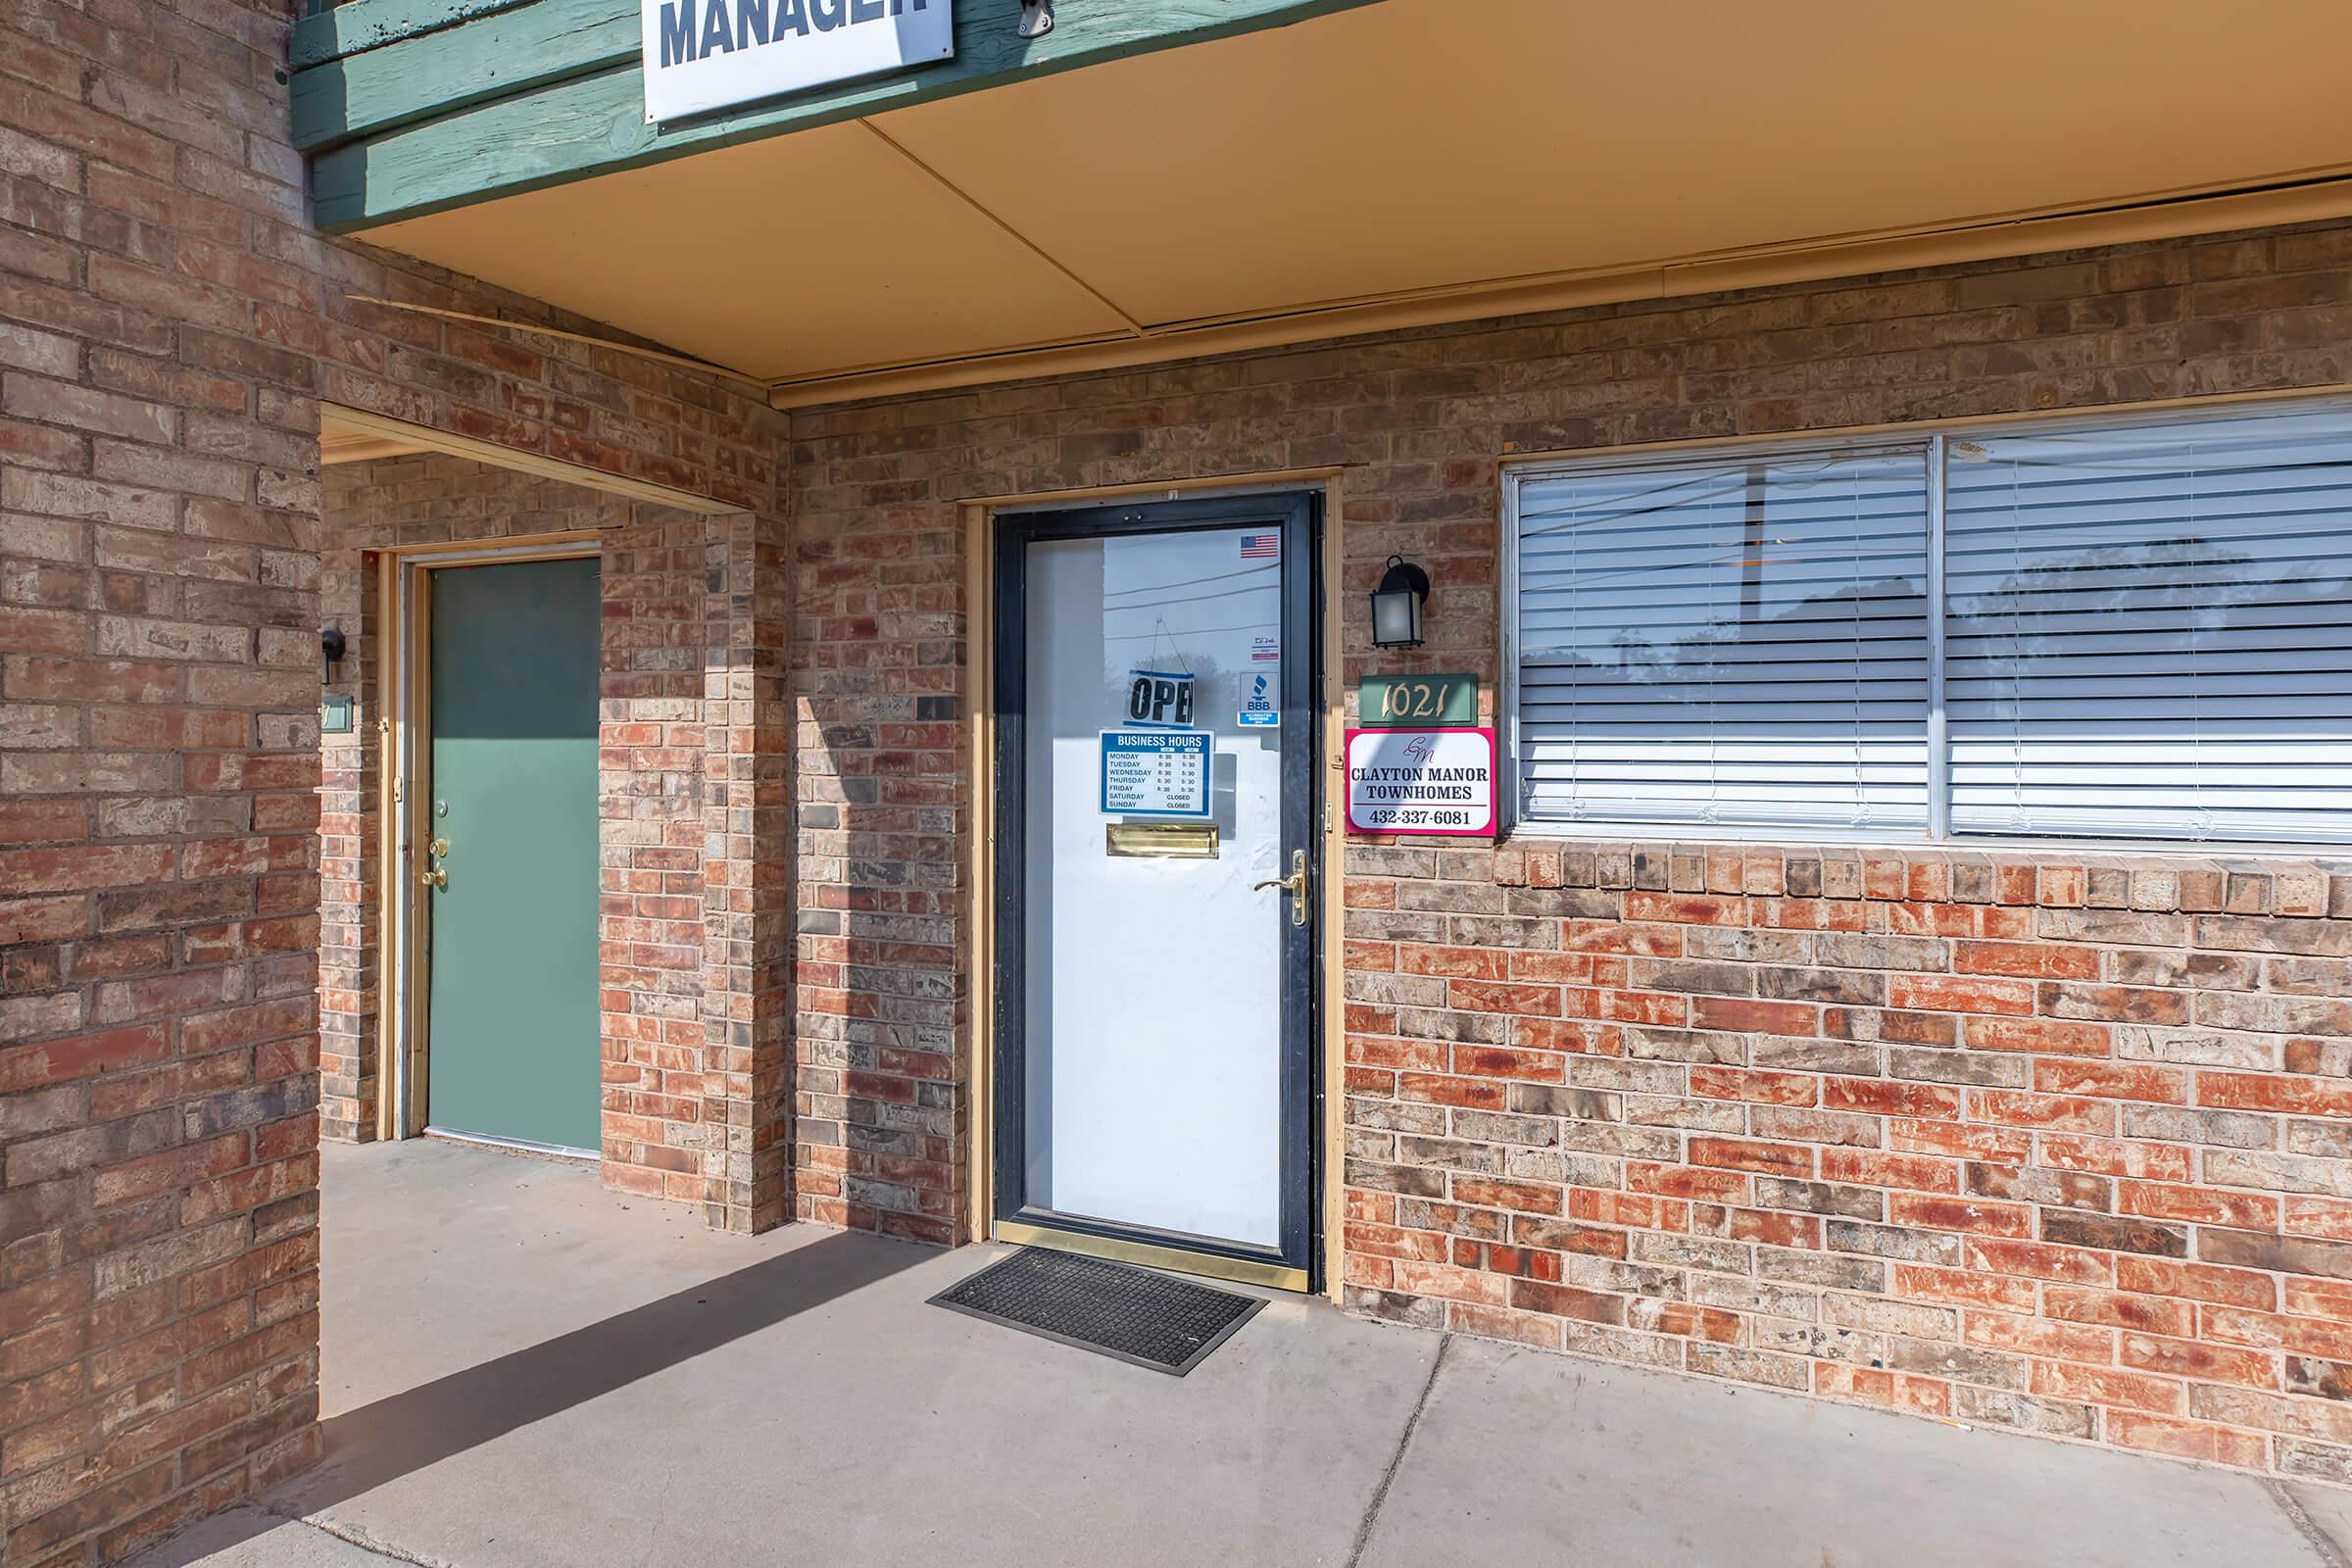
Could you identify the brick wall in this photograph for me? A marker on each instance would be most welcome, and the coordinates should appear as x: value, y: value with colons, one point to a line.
x: 158, y: 783
x: 169, y: 324
x: 2045, y: 1142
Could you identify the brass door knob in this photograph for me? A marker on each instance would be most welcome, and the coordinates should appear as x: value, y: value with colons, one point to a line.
x: 434, y: 878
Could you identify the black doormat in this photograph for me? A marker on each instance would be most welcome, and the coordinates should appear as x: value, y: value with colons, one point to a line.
x: 1134, y: 1315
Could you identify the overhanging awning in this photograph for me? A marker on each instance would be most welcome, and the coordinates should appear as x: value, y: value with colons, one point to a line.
x: 1138, y: 196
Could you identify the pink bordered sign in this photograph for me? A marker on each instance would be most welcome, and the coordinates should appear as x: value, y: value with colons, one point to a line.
x: 1421, y: 781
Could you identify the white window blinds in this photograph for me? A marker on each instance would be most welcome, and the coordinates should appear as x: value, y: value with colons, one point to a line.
x: 2148, y: 629
x: 1740, y: 641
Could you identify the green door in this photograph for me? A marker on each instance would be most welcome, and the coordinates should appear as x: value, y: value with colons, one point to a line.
x: 511, y: 1033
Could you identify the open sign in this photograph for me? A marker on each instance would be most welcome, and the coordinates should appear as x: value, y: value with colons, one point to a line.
x: 1159, y: 698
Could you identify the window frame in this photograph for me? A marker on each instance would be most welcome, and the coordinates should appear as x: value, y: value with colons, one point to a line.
x: 1936, y: 438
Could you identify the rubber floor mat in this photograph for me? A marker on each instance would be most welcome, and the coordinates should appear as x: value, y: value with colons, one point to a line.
x: 1134, y: 1315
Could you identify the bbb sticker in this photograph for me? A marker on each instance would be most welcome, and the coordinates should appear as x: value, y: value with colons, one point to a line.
x: 1261, y: 706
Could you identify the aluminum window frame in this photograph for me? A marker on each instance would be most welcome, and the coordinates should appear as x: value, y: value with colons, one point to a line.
x: 1935, y: 440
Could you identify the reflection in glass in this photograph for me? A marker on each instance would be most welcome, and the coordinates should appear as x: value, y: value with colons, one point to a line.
x: 2148, y: 629
x: 1736, y: 642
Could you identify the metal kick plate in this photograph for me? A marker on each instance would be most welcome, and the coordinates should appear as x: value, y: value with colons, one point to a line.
x: 1167, y: 841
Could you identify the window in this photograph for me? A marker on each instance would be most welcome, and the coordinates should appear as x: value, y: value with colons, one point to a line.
x: 1731, y: 643
x: 2139, y: 630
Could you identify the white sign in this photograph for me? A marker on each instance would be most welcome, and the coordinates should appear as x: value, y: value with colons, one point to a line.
x: 1421, y: 781
x: 1155, y: 772
x: 1160, y: 699
x: 701, y: 55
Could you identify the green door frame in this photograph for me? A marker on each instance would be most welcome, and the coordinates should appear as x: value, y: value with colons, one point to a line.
x: 405, y: 685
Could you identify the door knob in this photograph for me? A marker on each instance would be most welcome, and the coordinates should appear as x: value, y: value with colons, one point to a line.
x: 1296, y: 882
x: 434, y: 878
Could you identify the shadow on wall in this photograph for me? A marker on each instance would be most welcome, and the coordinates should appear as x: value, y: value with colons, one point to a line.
x: 421, y: 1425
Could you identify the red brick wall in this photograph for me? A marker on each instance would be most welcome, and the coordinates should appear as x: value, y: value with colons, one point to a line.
x: 2045, y: 1142
x: 168, y: 326
x: 158, y: 782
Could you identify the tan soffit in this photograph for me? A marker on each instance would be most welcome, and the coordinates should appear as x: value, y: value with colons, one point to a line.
x: 1415, y: 146
x: 799, y: 253
x: 1424, y: 142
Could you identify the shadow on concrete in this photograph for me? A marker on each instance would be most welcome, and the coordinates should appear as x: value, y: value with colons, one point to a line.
x: 421, y: 1425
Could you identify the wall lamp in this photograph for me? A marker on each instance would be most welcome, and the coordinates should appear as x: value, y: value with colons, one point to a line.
x: 1396, y: 604
x: 331, y: 645
x: 1036, y: 17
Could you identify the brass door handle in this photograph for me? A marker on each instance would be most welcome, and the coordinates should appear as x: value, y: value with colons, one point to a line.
x: 1296, y: 882
x: 434, y: 878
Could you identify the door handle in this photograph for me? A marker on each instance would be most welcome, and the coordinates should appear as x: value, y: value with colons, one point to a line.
x: 434, y: 878
x: 1296, y: 882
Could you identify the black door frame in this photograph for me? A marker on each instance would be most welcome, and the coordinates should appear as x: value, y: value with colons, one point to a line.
x: 1298, y: 517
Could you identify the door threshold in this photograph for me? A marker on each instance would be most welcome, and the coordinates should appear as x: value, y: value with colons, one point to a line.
x: 1174, y: 1259
x: 517, y: 1146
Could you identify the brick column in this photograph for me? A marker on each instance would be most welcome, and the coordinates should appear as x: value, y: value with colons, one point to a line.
x: 696, y: 856
x: 649, y: 784
x: 885, y: 958
x: 746, y: 877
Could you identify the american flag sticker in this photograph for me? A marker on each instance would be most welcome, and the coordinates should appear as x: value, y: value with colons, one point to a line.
x: 1261, y: 547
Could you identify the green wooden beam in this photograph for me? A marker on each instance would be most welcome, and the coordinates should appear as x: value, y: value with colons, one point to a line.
x: 349, y: 29
x: 493, y: 55
x: 591, y: 120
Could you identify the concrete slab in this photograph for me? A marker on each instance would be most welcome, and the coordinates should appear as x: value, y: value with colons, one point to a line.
x: 2330, y: 1511
x: 250, y: 1538
x: 1533, y: 1458
x: 520, y: 1369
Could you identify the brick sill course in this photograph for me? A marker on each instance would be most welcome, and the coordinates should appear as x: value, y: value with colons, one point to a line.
x: 2293, y: 886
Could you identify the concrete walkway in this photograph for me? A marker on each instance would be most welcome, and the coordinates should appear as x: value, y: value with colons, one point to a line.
x: 523, y: 1369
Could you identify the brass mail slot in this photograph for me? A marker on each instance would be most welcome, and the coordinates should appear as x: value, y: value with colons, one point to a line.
x: 1178, y: 841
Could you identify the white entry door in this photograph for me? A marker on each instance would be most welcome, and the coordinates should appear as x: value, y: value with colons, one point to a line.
x: 1155, y: 792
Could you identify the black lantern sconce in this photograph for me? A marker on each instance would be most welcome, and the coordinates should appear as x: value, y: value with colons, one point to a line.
x: 336, y: 709
x: 1396, y: 604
